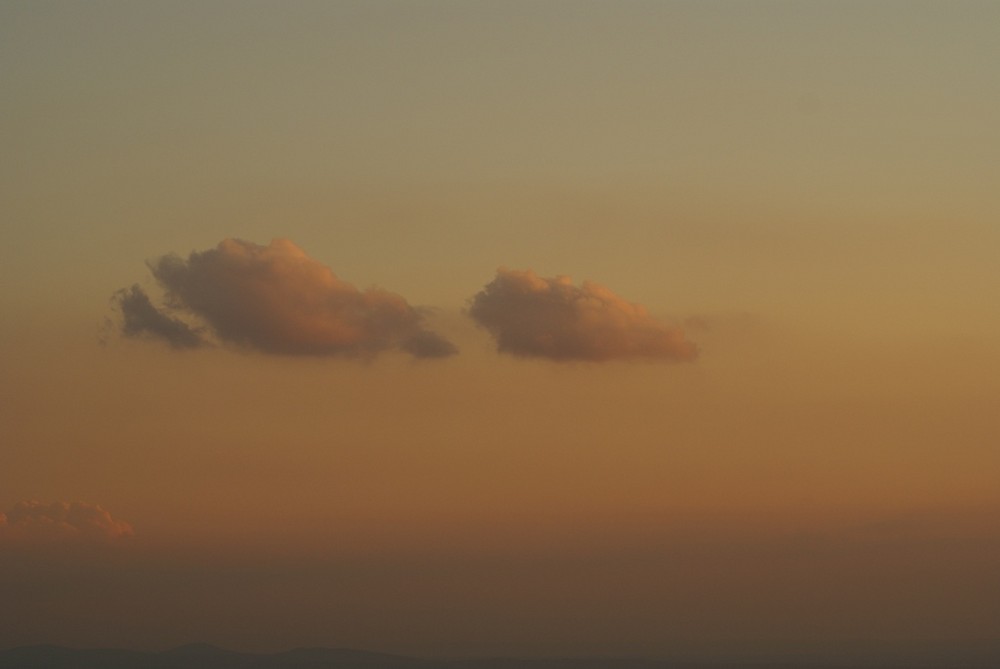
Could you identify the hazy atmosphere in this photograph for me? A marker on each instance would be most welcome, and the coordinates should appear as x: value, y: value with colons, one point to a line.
x: 501, y: 327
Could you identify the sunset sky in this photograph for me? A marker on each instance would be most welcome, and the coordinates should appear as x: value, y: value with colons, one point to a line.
x: 499, y: 327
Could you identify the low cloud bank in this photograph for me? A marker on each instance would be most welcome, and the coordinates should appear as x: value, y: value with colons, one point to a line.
x: 60, y: 521
x: 274, y: 299
x: 534, y: 316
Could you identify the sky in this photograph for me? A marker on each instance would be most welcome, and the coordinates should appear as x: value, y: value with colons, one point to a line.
x: 538, y: 328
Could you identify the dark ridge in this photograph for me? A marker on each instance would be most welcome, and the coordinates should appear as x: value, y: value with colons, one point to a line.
x: 58, y: 657
x: 201, y: 656
x: 196, y: 649
x: 343, y: 657
x: 206, y: 656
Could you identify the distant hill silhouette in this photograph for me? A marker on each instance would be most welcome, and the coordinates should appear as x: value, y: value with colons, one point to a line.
x: 206, y: 656
x: 201, y: 656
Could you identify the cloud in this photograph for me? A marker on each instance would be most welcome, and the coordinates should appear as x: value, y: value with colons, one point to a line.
x: 276, y: 299
x: 61, y: 521
x: 426, y: 344
x: 140, y: 317
x: 529, y: 315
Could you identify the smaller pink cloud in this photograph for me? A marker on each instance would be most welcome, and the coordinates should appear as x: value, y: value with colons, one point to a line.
x: 535, y: 316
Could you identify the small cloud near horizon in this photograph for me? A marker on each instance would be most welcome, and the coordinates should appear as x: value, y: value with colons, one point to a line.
x: 274, y: 299
x: 31, y: 521
x: 533, y: 316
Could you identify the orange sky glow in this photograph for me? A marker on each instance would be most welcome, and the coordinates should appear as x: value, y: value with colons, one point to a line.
x: 499, y: 328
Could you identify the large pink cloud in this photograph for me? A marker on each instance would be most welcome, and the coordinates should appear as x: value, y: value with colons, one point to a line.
x: 530, y: 315
x: 275, y: 299
x: 60, y: 521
